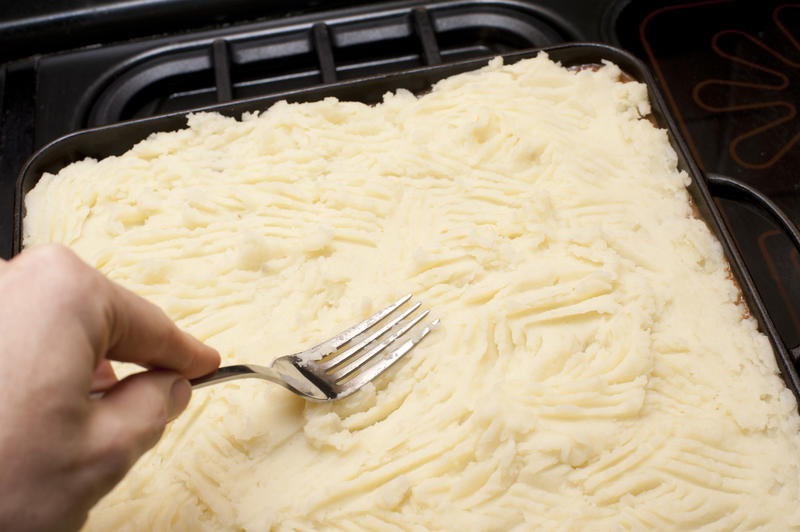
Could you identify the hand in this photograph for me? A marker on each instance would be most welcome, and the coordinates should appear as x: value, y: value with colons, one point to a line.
x: 61, y: 446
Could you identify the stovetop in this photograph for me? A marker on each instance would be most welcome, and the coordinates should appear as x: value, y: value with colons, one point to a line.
x: 730, y: 69
x: 732, y: 77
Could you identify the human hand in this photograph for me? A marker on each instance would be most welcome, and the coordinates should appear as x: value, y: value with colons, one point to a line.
x: 61, y: 446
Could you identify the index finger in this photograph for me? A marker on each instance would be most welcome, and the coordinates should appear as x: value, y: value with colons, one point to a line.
x: 81, y: 312
x: 141, y: 332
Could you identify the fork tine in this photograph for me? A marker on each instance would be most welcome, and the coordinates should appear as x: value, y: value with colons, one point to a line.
x: 349, y: 368
x: 329, y: 346
x: 384, y: 363
x: 344, y: 355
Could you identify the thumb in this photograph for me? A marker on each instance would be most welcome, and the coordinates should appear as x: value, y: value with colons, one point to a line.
x: 131, y: 417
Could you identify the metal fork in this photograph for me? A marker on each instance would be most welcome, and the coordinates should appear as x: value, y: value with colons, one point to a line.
x: 323, y: 372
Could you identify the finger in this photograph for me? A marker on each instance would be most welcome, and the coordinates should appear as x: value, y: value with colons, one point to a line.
x: 50, y: 287
x: 117, y: 323
x: 103, y: 377
x: 142, y: 333
x: 86, y: 314
x: 130, y: 419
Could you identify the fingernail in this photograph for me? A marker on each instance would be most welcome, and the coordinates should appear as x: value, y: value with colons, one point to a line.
x: 179, y: 397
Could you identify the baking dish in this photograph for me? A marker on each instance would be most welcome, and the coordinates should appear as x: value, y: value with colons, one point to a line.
x: 115, y: 139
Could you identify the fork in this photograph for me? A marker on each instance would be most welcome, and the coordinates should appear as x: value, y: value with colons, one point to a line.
x: 323, y: 372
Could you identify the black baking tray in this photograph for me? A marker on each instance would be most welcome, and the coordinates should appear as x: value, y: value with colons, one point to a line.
x: 115, y: 139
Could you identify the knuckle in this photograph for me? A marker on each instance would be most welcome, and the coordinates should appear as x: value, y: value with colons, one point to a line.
x: 172, y: 338
x: 153, y: 411
x: 70, y: 282
x: 48, y: 255
x: 59, y: 265
x: 188, y: 357
x: 116, y: 456
x: 155, y: 428
x: 124, y: 445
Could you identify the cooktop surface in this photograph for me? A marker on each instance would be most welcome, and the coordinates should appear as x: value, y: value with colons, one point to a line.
x: 730, y: 69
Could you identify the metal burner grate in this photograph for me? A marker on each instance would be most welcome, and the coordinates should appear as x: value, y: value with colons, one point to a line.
x: 196, y: 74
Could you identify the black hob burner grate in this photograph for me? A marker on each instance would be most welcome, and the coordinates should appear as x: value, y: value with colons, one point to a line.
x: 54, y: 94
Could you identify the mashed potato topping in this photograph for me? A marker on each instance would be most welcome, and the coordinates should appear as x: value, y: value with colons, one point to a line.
x: 594, y: 369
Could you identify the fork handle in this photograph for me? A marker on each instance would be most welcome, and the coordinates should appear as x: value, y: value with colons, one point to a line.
x: 239, y: 371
